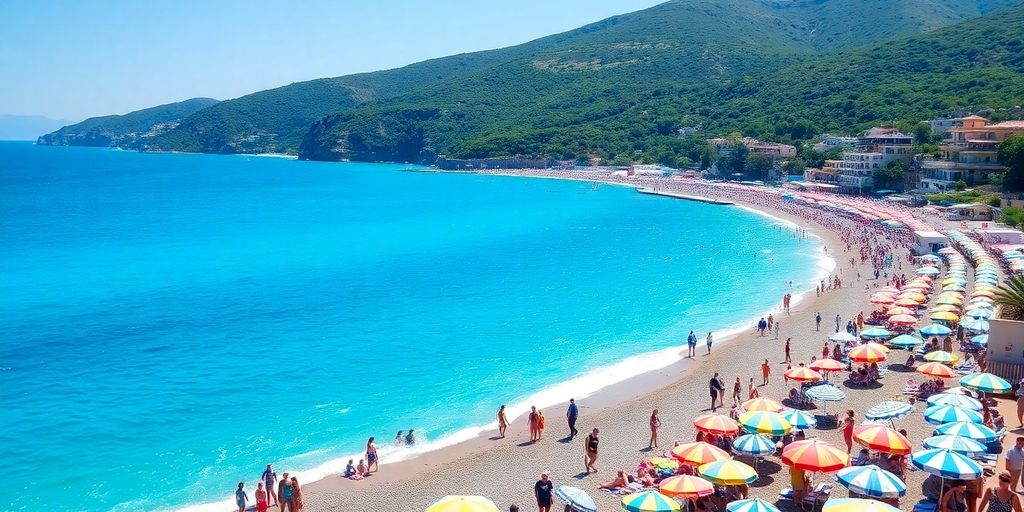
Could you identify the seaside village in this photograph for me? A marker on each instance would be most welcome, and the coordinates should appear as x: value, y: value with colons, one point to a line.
x: 910, y: 399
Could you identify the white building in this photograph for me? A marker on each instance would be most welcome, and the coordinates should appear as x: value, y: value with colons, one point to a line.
x: 929, y: 242
x: 876, y: 148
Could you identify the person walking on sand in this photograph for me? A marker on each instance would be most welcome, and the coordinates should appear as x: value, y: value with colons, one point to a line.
x: 691, y: 344
x: 371, y: 456
x: 839, y: 321
x: 737, y: 390
x: 817, y: 321
x: 533, y: 419
x: 771, y: 322
x: 502, y: 422
x: 778, y: 327
x: 590, y: 451
x: 848, y: 422
x: 540, y: 424
x: 766, y: 370
x: 542, y: 491
x: 570, y: 416
x: 269, y: 479
x: 655, y: 425
x: 1014, y: 458
x: 1020, y: 403
x: 241, y: 497
x: 752, y: 391
x: 786, y: 348
x: 709, y: 341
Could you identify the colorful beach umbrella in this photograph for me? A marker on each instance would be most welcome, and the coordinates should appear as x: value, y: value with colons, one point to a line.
x: 957, y: 444
x: 881, y: 298
x: 889, y: 410
x: 802, y: 374
x: 649, y: 501
x: 728, y: 472
x: 945, y: 463
x: 664, y: 463
x: 686, y: 487
x: 842, y: 337
x: 941, y: 356
x: 907, y: 303
x: 980, y: 313
x: 755, y: 445
x: 963, y: 401
x: 762, y: 404
x: 577, y: 499
x: 799, y: 419
x: 902, y: 320
x: 463, y: 504
x: 968, y: 429
x: 939, y: 414
x: 945, y: 307
x: 699, y: 453
x: 765, y: 422
x: 871, y: 481
x: 917, y: 297
x: 944, y: 316
x: 716, y: 424
x: 751, y: 505
x: 935, y: 330
x: 875, y: 332
x: 868, y: 353
x: 985, y: 383
x: 827, y: 364
x: 881, y: 439
x: 814, y: 455
x: 937, y: 370
x: 906, y: 340
x: 856, y: 505
x: 900, y: 310
x: 927, y: 271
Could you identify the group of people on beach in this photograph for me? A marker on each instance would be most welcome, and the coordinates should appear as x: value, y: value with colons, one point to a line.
x: 286, y: 492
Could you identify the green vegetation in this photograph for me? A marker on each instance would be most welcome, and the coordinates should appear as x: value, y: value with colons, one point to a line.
x: 1011, y: 154
x: 891, y: 176
x: 967, y: 196
x: 1011, y: 297
x: 1013, y: 216
x: 125, y: 130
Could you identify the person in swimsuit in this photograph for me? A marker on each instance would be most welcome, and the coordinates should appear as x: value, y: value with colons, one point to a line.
x: 737, y: 390
x: 542, y: 491
x: 955, y: 499
x: 1001, y: 498
x: 502, y: 422
x: 284, y: 494
x: 296, y: 494
x: 261, y: 498
x: 398, y: 438
x: 590, y: 458
x: 788, y: 358
x: 371, y: 456
x: 752, y: 391
x: 848, y: 431
x: 766, y: 370
x: 534, y: 420
x: 709, y: 340
x: 655, y: 425
x: 269, y: 478
x: 241, y: 497
x: 410, y: 438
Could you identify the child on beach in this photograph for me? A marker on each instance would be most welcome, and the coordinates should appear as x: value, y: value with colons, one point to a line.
x: 261, y: 498
x: 241, y: 497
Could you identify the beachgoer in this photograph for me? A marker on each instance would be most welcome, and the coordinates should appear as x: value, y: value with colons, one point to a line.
x: 1015, y: 462
x: 771, y: 321
x: 590, y: 451
x: 778, y: 327
x: 269, y: 478
x: 848, y: 422
x: 839, y: 321
x: 241, y: 497
x: 1020, y: 403
x: 955, y: 499
x: 350, y: 469
x: 766, y: 370
x: 261, y: 498
x: 542, y: 491
x: 737, y: 390
x: 620, y: 481
x: 502, y: 422
x: 655, y: 424
x: 398, y: 438
x: 410, y: 438
x: 817, y: 321
x: 799, y: 482
x: 513, y: 508
x: 708, y: 341
x: 361, y: 469
x: 1001, y: 498
x: 571, y: 415
x: 533, y: 419
x: 284, y: 492
x: 789, y: 359
x: 691, y: 344
x: 297, y: 494
x: 371, y: 456
x: 540, y: 423
x: 714, y: 388
x: 825, y: 350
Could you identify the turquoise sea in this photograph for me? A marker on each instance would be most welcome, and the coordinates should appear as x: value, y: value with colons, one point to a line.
x: 172, y: 323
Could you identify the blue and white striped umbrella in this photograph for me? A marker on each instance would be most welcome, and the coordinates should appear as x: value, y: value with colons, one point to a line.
x: 871, y: 481
x: 980, y: 340
x: 967, y: 429
x: 875, y: 332
x: 935, y: 330
x: 979, y: 313
x: 577, y: 499
x: 939, y: 414
x: 799, y: 419
x: 963, y: 401
x: 975, y: 325
x: 826, y: 393
x: 889, y: 410
x: 753, y: 444
x: 945, y: 463
x: 751, y: 505
x: 957, y: 444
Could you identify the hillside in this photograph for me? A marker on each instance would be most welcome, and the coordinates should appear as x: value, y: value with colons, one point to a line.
x: 125, y: 130
x: 646, y: 53
x: 978, y: 63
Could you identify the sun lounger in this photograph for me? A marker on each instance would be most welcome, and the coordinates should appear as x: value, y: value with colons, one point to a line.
x: 814, y: 499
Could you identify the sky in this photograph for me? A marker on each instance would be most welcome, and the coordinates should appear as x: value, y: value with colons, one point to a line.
x: 72, y: 59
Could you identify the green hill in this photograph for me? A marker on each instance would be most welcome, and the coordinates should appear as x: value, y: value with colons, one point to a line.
x: 588, y: 73
x: 125, y: 130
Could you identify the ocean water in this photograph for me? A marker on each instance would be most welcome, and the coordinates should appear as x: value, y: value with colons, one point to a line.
x: 172, y: 323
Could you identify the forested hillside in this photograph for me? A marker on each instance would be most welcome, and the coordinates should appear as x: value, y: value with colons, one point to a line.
x: 125, y: 130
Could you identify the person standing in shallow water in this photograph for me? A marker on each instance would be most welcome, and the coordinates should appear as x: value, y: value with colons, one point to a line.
x: 691, y: 345
x: 709, y: 341
x: 371, y: 456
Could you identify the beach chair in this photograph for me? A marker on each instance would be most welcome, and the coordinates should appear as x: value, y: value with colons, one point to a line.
x: 814, y: 499
x: 925, y: 506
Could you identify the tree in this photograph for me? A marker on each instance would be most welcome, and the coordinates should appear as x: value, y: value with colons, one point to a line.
x: 1011, y: 154
x: 758, y: 166
x: 794, y: 166
x: 922, y: 133
x: 1011, y: 297
x: 960, y: 185
x: 1012, y: 216
x: 890, y: 176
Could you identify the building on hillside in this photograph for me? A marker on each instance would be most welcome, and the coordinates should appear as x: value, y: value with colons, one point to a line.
x: 831, y: 142
x: 726, y: 147
x: 855, y: 173
x: 515, y: 162
x: 969, y: 153
x: 943, y: 125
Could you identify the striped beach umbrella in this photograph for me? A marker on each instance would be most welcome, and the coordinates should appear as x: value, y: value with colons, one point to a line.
x: 842, y: 337
x: 963, y: 401
x: 941, y: 356
x: 649, y: 501
x: 802, y: 374
x: 935, y: 330
x: 716, y: 424
x: 900, y: 310
x: 927, y: 271
x: 902, y: 320
x: 686, y: 487
x: 827, y: 364
x: 856, y: 505
x: 577, y: 499
x: 763, y: 404
x: 751, y: 505
x: 463, y: 504
x: 937, y: 370
x: 985, y: 383
x: 875, y: 332
x: 939, y: 414
x: 945, y: 307
x: 957, y: 444
x: 755, y: 445
x: 906, y: 340
x: 799, y: 419
x: 664, y: 463
x: 889, y: 410
x: 980, y: 313
x: 975, y: 324
x: 881, y: 439
x: 871, y: 481
x: 765, y: 422
x: 698, y: 453
x: 882, y: 298
x: 826, y: 393
x: 866, y: 354
x: 945, y: 463
x: 968, y: 429
x: 814, y: 455
x: 728, y: 472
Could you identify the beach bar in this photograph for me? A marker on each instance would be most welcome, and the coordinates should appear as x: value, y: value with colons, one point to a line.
x: 929, y: 242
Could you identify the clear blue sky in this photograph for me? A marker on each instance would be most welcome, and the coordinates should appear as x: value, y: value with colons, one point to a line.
x: 74, y: 59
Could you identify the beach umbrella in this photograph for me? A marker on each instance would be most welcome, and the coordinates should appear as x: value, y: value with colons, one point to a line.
x: 980, y: 340
x: 944, y: 316
x: 686, y: 487
x: 577, y: 499
x: 728, y: 472
x: 802, y: 374
x: 980, y: 313
x: 814, y: 455
x: 887, y: 289
x: 827, y: 365
x: 751, y: 505
x: 716, y: 424
x: 799, y: 419
x: 765, y: 422
x: 941, y: 356
x: 866, y: 354
x: 762, y: 404
x: 918, y: 286
x: 954, y: 288
x: 902, y: 320
x: 900, y: 310
x: 664, y: 463
x: 957, y: 444
x: 889, y: 410
x: 856, y: 505
x: 962, y: 401
x: 945, y: 463
x: 826, y: 393
x: 871, y: 481
x: 463, y: 504
x: 947, y: 250
x: 945, y: 307
x: 698, y: 453
x: 968, y: 429
x: 881, y: 439
x: 939, y: 414
x: 875, y: 332
x: 649, y: 501
x: 906, y: 340
x: 935, y: 330
x: 985, y: 383
x: 842, y: 337
x: 881, y: 298
x: 984, y: 293
x: 917, y: 297
x: 907, y: 303
x: 937, y: 370
x: 954, y: 280
x: 927, y: 271
x: 755, y: 445
x: 930, y: 257
x: 975, y: 324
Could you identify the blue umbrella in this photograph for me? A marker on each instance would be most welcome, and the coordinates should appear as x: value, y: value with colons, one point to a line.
x: 871, y: 481
x: 967, y: 429
x: 980, y: 340
x: 826, y: 393
x: 875, y: 332
x: 753, y: 444
x: 751, y: 505
x: 975, y: 324
x: 957, y: 444
x: 905, y: 340
x: 963, y: 401
x: 889, y: 410
x: 799, y: 419
x: 939, y: 414
x: 945, y: 463
x: 577, y: 499
x: 980, y: 313
x: 936, y: 330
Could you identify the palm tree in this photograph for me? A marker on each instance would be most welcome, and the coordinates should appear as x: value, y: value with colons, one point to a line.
x: 1011, y: 297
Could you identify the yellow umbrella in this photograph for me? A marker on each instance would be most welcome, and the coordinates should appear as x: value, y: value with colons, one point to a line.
x: 463, y: 504
x: 914, y: 296
x: 945, y: 307
x: 945, y: 315
x: 907, y: 302
x: 699, y: 453
x: 762, y: 404
x: 940, y: 356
